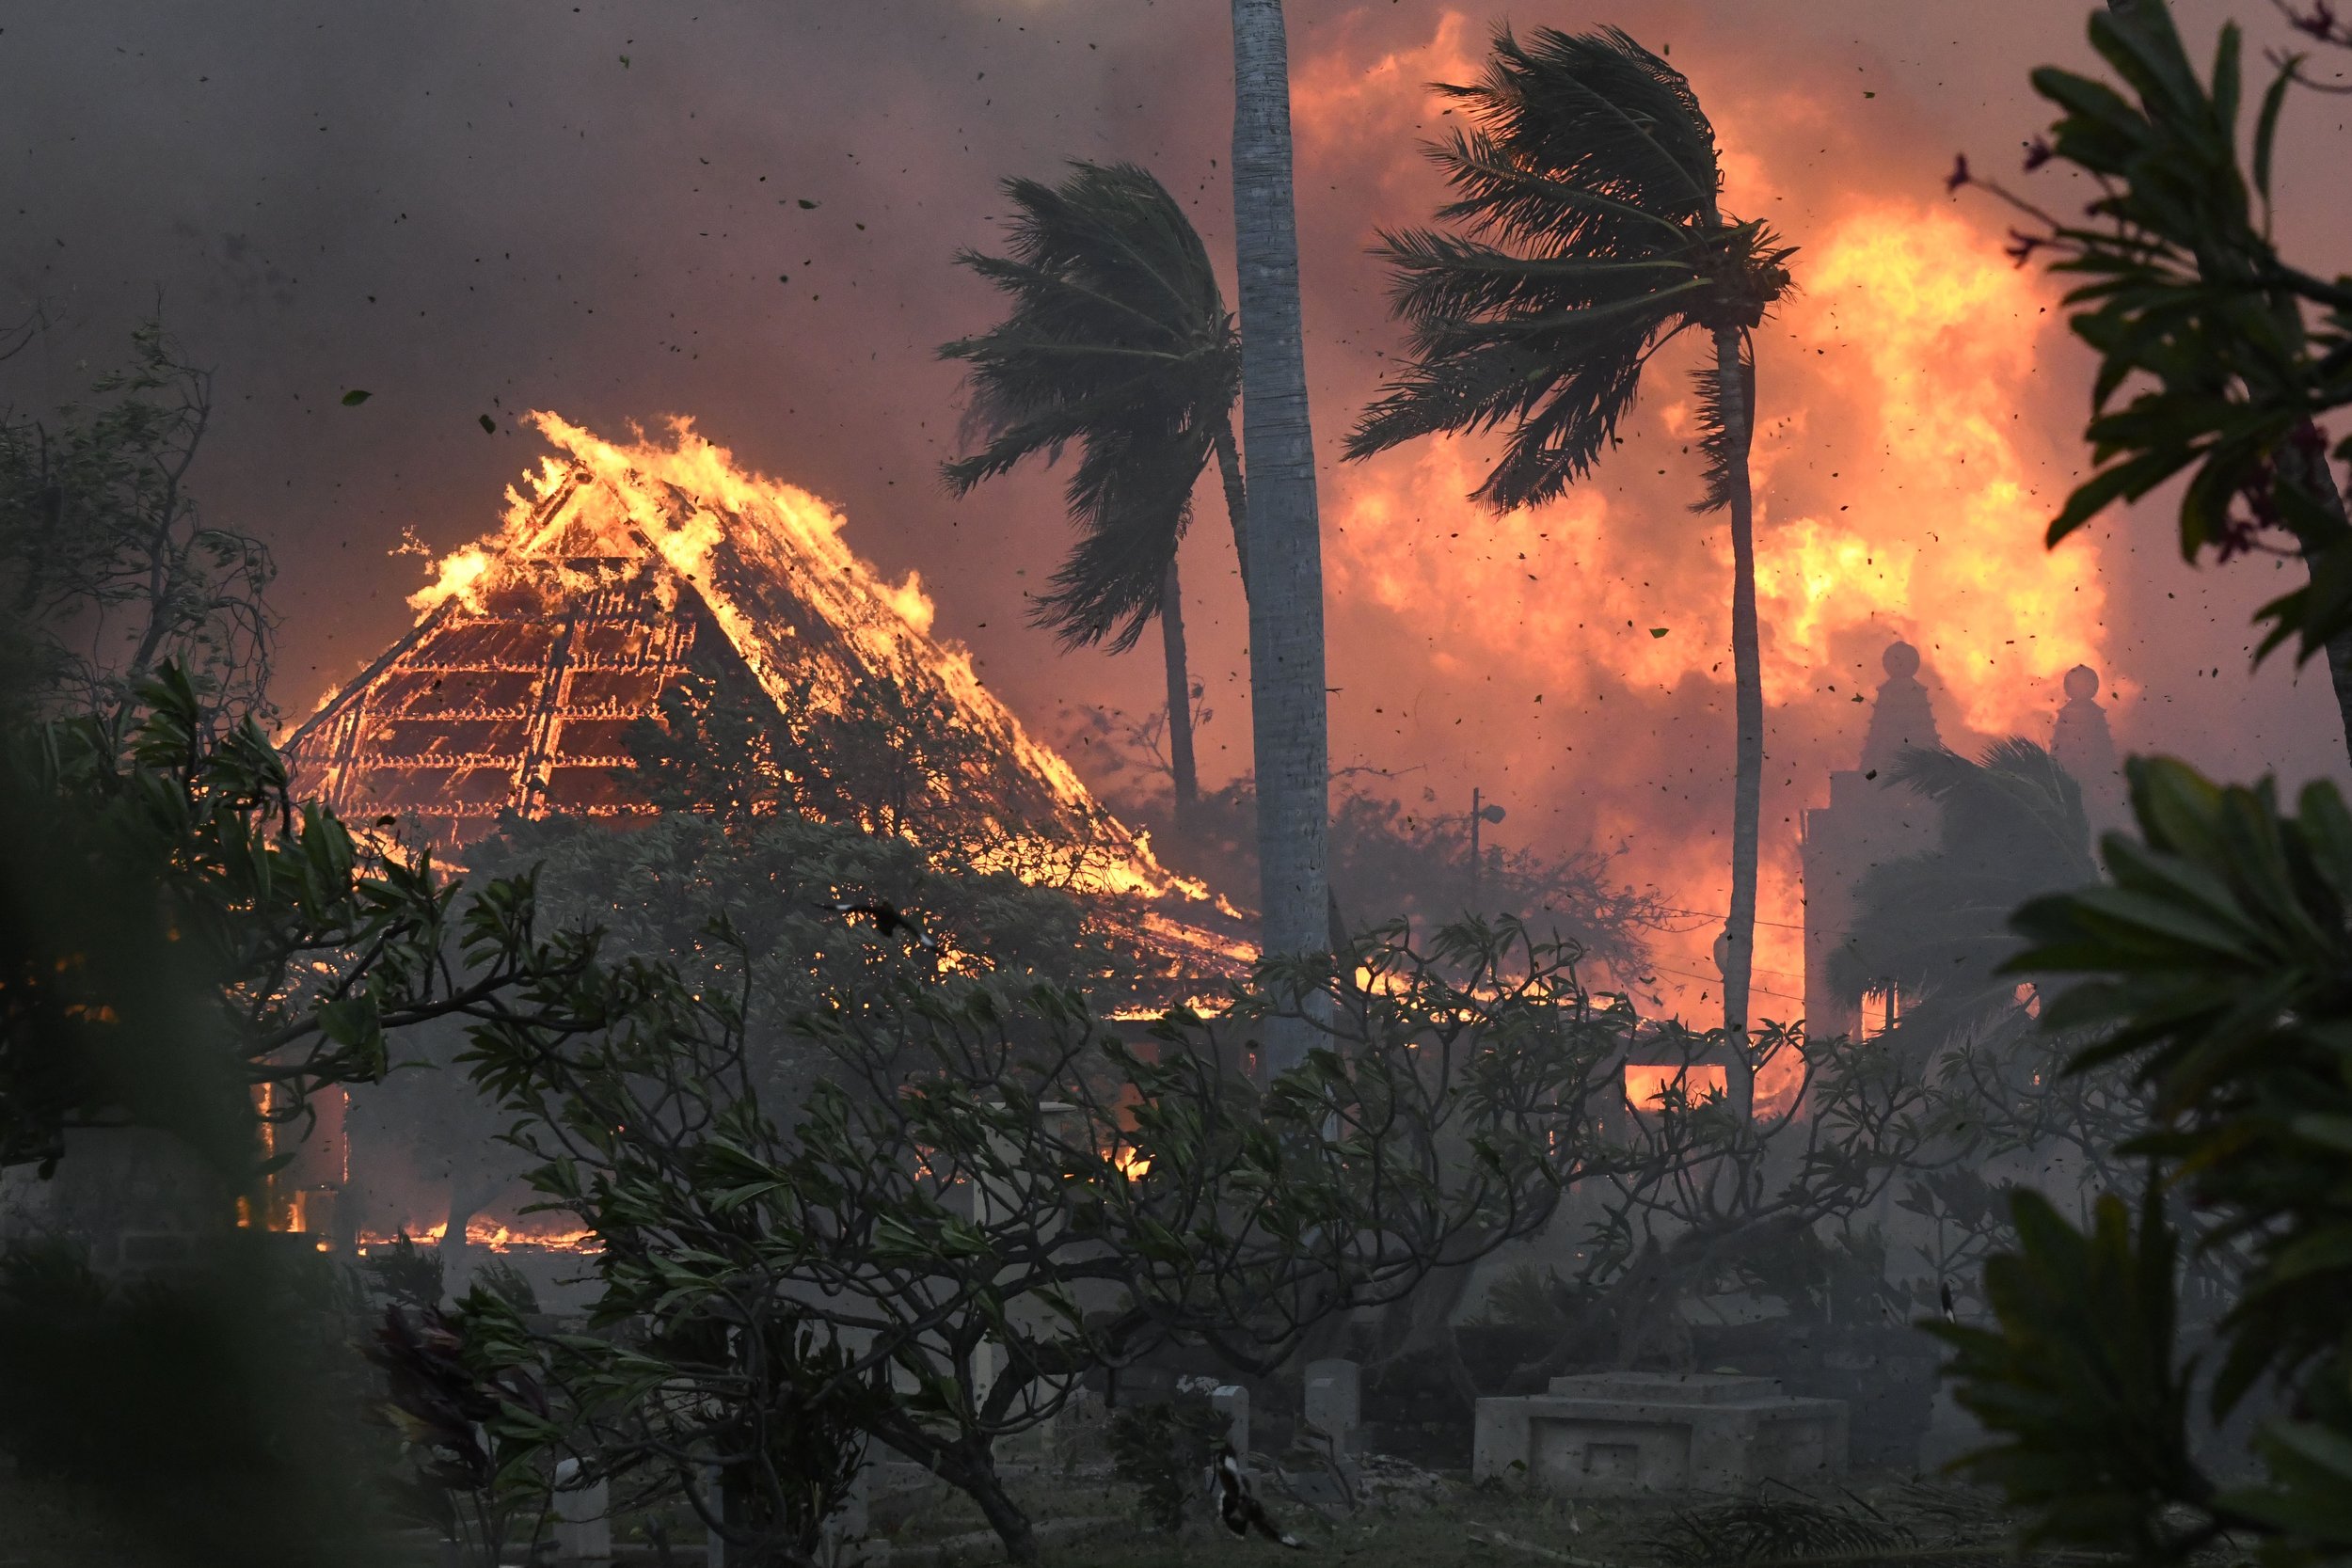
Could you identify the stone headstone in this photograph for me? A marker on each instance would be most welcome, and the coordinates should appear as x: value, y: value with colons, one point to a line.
x: 583, y: 1523
x: 1335, y: 1400
x: 715, y: 1546
x: 1231, y: 1400
x: 1634, y: 1433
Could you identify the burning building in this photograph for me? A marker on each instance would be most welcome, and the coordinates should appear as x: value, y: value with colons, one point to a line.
x: 622, y: 574
x: 629, y: 583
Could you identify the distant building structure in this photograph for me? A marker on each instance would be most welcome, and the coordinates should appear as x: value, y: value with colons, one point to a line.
x: 2081, y: 743
x: 1870, y: 819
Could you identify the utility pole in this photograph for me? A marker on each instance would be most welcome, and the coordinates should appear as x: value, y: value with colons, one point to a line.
x: 1478, y: 814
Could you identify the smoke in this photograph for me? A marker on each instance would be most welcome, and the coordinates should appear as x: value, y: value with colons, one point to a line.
x: 744, y: 212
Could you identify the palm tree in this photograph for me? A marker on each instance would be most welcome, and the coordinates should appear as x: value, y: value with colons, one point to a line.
x: 1289, y: 735
x: 1588, y: 234
x: 1117, y: 339
x: 1934, y: 927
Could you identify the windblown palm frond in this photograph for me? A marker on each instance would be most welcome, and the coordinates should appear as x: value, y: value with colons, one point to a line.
x: 1585, y: 188
x: 1117, y: 339
x: 1726, y: 455
x: 1936, y: 924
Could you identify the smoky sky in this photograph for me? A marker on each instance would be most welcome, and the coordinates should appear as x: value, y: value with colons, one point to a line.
x: 746, y: 214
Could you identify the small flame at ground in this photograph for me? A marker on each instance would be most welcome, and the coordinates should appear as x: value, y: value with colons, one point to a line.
x: 490, y: 1236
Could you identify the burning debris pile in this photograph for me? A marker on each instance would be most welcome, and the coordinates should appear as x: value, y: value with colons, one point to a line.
x: 645, y: 582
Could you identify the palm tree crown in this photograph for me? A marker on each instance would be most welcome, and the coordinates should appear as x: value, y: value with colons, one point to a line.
x: 1117, y: 339
x: 1589, y: 234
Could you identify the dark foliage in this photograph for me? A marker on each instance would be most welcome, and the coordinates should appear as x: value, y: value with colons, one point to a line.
x: 990, y: 1194
x: 180, y: 933
x: 197, y: 1403
x: 1163, y: 1448
x: 404, y: 1275
x: 1781, y: 1525
x: 2213, y: 963
x: 465, y: 1417
x: 107, y: 570
x: 2217, y: 356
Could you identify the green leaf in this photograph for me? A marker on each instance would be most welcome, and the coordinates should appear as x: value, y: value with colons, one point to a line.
x: 2266, y: 123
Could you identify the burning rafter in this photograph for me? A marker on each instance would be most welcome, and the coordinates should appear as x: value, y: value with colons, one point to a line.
x: 621, y: 572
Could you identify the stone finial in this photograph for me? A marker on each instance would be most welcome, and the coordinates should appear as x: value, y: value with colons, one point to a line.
x: 1903, y: 717
x: 2081, y: 743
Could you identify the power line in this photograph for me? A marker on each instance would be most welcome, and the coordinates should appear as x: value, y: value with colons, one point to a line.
x: 1758, y: 990
x: 1725, y: 915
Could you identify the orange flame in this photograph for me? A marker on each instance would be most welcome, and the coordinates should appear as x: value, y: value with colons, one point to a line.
x: 492, y: 1236
x: 1646, y: 1087
x: 1575, y: 656
x: 684, y: 502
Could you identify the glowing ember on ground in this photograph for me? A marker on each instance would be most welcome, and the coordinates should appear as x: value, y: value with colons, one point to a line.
x: 491, y: 1236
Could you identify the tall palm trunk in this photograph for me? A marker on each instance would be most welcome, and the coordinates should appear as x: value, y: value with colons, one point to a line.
x: 1180, y: 763
x: 1285, y: 573
x: 1735, y: 375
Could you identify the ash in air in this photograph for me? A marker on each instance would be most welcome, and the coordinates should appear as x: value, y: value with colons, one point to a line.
x: 929, y: 781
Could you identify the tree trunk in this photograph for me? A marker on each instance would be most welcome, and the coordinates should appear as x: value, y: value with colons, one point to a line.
x: 1236, y: 499
x: 1180, y: 761
x: 1290, y: 742
x: 976, y: 1477
x: 1737, y: 377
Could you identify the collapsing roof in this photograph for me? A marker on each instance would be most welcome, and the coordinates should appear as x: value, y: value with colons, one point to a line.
x: 625, y: 572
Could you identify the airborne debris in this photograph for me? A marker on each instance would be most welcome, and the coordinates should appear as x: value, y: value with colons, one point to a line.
x: 353, y: 397
x: 888, y: 918
x: 489, y: 425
